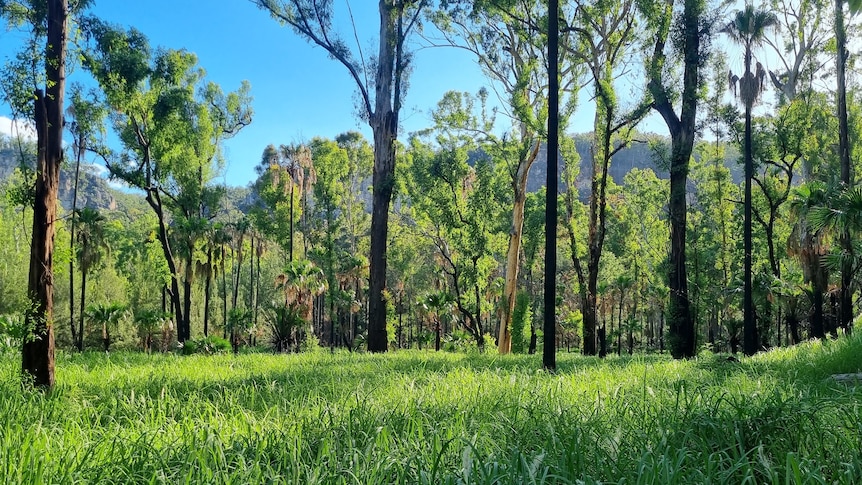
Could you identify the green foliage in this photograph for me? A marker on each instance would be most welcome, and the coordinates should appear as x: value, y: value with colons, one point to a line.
x: 13, y: 330
x: 150, y: 324
x: 211, y: 345
x: 285, y: 325
x: 521, y: 318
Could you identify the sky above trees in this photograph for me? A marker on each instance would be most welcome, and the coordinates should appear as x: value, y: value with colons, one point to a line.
x: 298, y: 92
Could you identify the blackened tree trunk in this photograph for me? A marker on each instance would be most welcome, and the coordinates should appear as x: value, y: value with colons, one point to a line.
x: 79, y: 343
x: 37, y: 353
x: 682, y: 129
x: 82, y: 303
x: 549, y: 346
x: 384, y: 125
x: 749, y: 326
x: 312, y: 20
x: 846, y: 297
x: 155, y: 201
x: 208, y: 290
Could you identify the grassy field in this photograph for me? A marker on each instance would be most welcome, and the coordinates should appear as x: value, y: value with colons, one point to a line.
x: 412, y: 417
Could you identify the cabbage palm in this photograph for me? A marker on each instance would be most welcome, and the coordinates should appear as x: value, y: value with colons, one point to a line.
x: 843, y: 216
x: 807, y: 243
x: 109, y: 317
x: 748, y: 29
x: 91, y: 248
x: 301, y: 282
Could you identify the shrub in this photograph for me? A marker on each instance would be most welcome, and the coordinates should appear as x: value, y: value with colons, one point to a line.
x: 520, y: 323
x: 285, y: 325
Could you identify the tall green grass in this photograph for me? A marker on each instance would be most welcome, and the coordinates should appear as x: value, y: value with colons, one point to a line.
x: 412, y: 417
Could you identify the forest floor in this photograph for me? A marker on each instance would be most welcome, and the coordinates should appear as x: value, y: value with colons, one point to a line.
x: 412, y: 417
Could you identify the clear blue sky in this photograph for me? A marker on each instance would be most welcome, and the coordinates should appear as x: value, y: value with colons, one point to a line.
x: 299, y: 92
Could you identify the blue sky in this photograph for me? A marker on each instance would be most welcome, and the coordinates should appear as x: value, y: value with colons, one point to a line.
x: 299, y: 92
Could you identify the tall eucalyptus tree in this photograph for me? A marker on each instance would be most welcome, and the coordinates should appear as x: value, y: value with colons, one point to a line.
x: 171, y: 123
x: 506, y: 38
x: 691, y: 29
x: 47, y: 22
x: 607, y: 36
x: 381, y: 83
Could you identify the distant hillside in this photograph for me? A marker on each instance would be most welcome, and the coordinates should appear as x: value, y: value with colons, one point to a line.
x: 640, y: 155
x: 93, y: 190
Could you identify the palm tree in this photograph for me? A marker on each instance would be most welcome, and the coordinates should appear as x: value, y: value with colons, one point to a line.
x: 298, y: 166
x: 748, y: 29
x: 91, y: 248
x: 109, y: 316
x: 808, y: 245
x: 215, y: 238
x: 843, y: 216
x: 438, y: 304
x: 301, y: 282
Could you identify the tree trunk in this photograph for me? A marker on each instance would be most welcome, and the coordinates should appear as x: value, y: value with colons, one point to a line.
x: 519, y: 186
x: 549, y: 347
x: 84, y: 271
x: 106, y: 337
x: 290, y: 247
x: 793, y: 328
x: 749, y: 328
x: 37, y: 354
x: 384, y: 125
x: 682, y: 130
x: 154, y: 200
x: 224, y: 293
x: 207, y: 291
x: 846, y: 297
x: 78, y: 343
x: 184, y: 329
x: 238, y: 270
x: 184, y: 326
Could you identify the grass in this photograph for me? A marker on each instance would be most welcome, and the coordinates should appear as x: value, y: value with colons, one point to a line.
x: 411, y: 417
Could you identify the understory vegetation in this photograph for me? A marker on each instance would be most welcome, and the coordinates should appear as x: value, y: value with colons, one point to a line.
x: 412, y: 417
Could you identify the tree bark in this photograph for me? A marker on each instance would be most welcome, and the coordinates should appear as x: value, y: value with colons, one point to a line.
x: 846, y: 297
x: 384, y: 125
x: 519, y: 187
x: 549, y: 347
x: 749, y: 328
x: 37, y: 354
x: 682, y: 130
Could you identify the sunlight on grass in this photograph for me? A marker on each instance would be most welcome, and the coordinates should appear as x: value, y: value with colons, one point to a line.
x: 412, y: 417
